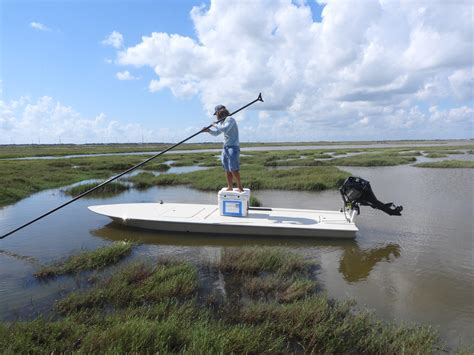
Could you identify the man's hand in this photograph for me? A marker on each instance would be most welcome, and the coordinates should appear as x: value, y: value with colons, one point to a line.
x: 205, y: 129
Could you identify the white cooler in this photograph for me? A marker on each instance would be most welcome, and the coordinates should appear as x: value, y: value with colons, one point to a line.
x: 233, y: 203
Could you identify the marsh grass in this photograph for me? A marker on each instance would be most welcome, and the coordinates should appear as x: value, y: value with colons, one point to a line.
x: 388, y: 158
x: 410, y: 153
x: 86, y: 261
x: 373, y: 159
x: 278, y: 287
x: 320, y: 325
x: 448, y: 164
x: 139, y: 283
x: 249, y: 260
x: 444, y: 151
x: 108, y: 190
x: 381, y: 157
x: 14, y: 151
x: 435, y: 155
x: 17, y: 151
x: 253, y: 176
x: 254, y: 202
x: 159, y: 167
x: 142, y: 181
x: 22, y: 178
x: 155, y: 308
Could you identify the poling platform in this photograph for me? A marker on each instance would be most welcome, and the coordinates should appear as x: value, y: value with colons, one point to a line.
x: 197, y: 218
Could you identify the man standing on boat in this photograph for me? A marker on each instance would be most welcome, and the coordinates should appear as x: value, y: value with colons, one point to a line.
x: 230, y: 157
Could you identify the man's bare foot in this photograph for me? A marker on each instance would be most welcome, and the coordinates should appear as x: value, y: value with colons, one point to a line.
x: 230, y: 189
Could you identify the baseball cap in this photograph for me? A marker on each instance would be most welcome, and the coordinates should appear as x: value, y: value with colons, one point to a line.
x: 217, y: 108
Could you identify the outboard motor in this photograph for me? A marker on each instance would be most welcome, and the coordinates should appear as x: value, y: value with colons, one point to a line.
x: 356, y: 191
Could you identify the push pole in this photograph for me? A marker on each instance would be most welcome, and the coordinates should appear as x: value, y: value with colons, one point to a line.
x: 259, y: 98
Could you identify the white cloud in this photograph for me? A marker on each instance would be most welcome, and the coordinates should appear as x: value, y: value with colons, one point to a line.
x: 125, y: 75
x: 458, y: 114
x: 462, y: 83
x: 45, y: 120
x: 380, y: 54
x: 368, y: 65
x: 40, y: 27
x: 364, y: 121
x: 114, y: 39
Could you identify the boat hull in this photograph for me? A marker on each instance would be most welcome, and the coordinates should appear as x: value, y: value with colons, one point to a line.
x: 196, y: 218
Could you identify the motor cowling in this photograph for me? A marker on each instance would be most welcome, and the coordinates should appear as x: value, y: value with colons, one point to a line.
x: 356, y: 191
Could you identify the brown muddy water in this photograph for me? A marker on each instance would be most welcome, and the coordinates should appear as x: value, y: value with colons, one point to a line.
x: 415, y: 268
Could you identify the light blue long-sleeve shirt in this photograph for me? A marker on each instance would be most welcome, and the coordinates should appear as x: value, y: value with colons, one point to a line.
x: 230, y: 130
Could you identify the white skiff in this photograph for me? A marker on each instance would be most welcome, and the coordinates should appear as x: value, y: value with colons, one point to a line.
x: 197, y: 218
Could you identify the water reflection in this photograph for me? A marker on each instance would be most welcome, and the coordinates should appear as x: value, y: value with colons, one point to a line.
x: 115, y: 232
x: 355, y: 264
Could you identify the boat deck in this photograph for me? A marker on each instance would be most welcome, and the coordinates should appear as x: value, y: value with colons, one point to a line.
x: 198, y: 218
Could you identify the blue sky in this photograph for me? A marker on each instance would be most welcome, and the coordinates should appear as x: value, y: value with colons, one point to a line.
x: 328, y: 71
x: 68, y: 62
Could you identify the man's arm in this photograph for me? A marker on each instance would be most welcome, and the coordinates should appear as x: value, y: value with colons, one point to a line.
x: 214, y: 133
x: 226, y: 126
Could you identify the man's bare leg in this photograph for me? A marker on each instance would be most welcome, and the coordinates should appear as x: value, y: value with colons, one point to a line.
x: 237, y: 179
x: 228, y: 176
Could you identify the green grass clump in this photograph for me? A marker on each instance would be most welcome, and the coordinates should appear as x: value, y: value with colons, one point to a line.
x: 298, y: 289
x: 448, y: 164
x: 264, y: 286
x: 185, y: 161
x: 142, y: 181
x: 363, y: 159
x: 135, y: 284
x: 410, y: 153
x: 278, y: 287
x: 372, y: 159
x: 435, y: 155
x: 254, y: 260
x: 91, y: 260
x: 165, y: 327
x: 320, y: 325
x: 254, y: 202
x: 161, y: 167
x: 108, y: 190
x: 444, y: 151
x: 21, y: 178
x: 320, y: 156
x: 268, y: 273
x: 200, y: 159
x: 271, y: 305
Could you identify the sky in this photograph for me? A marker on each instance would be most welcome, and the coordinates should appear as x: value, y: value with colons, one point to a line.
x: 104, y: 71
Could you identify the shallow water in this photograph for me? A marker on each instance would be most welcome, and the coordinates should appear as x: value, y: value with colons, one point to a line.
x: 415, y: 268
